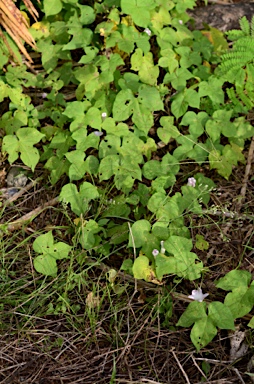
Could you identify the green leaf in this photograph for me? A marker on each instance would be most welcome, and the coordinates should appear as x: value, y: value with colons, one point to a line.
x: 170, y: 210
x: 50, y: 252
x: 233, y: 153
x: 195, y: 122
x: 240, y: 301
x: 143, y: 63
x: 220, y: 122
x: 179, y: 105
x: 88, y: 234
x: 123, y: 105
x: 168, y: 130
x: 57, y: 167
x: 82, y: 37
x: 178, y: 78
x: 11, y: 146
x: 52, y: 7
x: 165, y: 266
x: 203, y: 332
x: 92, y: 165
x: 157, y: 200
x: 45, y: 265
x: 188, y: 57
x: 79, y: 200
x: 169, y: 60
x: 201, y: 243
x: 139, y: 233
x: 221, y: 315
x: 75, y: 109
x: 219, y: 162
x: 43, y: 242
x: 251, y: 323
x: 23, y: 142
x: 194, y: 312
x: 176, y: 245
x: 127, y: 266
x: 139, y: 10
x: 141, y: 269
x: 108, y: 167
x: 234, y: 279
x: 150, y: 98
x: 152, y: 169
x: 78, y: 167
x: 4, y: 90
x: 87, y: 14
x: 213, y: 89
x: 183, y: 264
x: 142, y: 117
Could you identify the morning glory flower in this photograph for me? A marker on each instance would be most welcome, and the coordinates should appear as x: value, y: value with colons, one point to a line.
x: 155, y: 252
x: 191, y: 182
x: 198, y: 295
x: 147, y: 30
x: 98, y: 133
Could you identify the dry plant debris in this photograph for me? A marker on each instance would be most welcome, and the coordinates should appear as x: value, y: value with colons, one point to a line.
x: 15, y: 24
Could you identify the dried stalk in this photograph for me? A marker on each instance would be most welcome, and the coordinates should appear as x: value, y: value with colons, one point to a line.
x: 15, y: 24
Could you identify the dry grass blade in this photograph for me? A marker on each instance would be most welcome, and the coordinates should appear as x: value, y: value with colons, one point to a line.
x: 31, y: 8
x: 16, y: 25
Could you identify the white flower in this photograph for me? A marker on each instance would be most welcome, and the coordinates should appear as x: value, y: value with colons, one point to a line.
x: 98, y: 133
x: 198, y: 295
x: 191, y: 182
x: 155, y: 252
x: 180, y: 21
x: 44, y: 95
x: 104, y: 115
x: 147, y: 30
x: 163, y: 250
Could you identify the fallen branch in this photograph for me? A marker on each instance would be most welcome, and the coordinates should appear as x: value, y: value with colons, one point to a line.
x: 17, y: 224
x: 22, y: 191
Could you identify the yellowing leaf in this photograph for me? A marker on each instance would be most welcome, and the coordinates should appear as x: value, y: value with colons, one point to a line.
x: 42, y: 27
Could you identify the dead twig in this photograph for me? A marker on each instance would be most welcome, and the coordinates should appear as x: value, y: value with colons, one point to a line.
x: 181, y: 367
x: 22, y: 191
x: 17, y: 224
x: 246, y: 175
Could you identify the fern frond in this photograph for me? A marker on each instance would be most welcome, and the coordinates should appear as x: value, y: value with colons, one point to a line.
x: 232, y: 96
x: 241, y: 55
x: 239, y: 106
x: 245, y: 42
x: 237, y: 60
x: 246, y: 100
x: 252, y: 27
x: 245, y: 26
x: 237, y: 65
x: 250, y: 76
x: 235, y: 34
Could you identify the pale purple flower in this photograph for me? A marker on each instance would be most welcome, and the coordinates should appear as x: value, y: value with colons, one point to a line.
x: 198, y: 295
x: 147, y: 30
x: 44, y: 95
x: 155, y: 252
x: 191, y: 182
x: 98, y: 133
